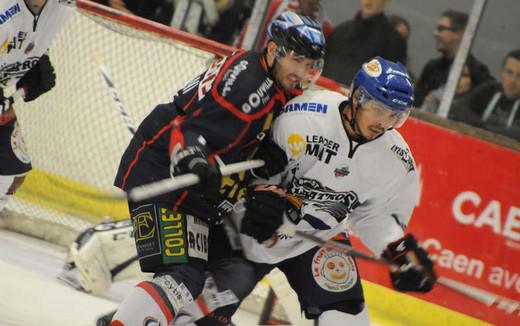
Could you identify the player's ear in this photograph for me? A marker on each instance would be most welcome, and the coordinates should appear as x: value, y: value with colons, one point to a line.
x: 271, y: 52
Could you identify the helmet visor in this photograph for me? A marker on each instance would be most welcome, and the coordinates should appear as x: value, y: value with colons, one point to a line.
x: 308, y: 69
x: 387, y: 115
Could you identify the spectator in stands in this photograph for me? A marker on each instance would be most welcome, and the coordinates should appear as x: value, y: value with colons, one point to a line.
x: 448, y: 35
x: 401, y: 25
x: 231, y: 21
x: 160, y: 11
x: 309, y: 8
x: 492, y: 105
x: 433, y: 99
x: 354, y: 42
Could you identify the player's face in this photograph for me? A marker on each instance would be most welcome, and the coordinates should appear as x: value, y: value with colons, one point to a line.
x: 372, y: 118
x: 510, y: 77
x: 294, y: 69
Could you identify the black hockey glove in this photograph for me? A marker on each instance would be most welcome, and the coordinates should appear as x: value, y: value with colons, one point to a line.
x: 38, y: 80
x: 193, y: 160
x: 265, y: 206
x: 274, y: 157
x: 414, y: 270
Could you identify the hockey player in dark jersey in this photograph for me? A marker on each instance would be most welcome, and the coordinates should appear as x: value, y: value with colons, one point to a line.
x: 221, y: 114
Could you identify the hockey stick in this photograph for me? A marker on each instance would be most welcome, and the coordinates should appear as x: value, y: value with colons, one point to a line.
x: 120, y: 107
x: 182, y: 181
x: 479, y: 295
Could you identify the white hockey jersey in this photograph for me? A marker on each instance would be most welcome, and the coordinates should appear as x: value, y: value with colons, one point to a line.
x: 25, y: 37
x: 370, y: 188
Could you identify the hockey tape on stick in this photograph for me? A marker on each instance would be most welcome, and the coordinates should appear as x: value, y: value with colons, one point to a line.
x: 120, y: 107
x: 182, y: 181
x: 489, y: 299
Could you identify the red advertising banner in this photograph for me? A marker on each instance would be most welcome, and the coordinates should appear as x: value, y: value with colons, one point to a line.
x: 468, y: 218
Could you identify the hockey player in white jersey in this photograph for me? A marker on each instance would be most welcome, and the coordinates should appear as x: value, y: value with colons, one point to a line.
x: 348, y: 167
x: 27, y: 28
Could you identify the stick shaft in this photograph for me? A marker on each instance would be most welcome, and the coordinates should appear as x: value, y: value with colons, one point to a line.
x: 171, y: 184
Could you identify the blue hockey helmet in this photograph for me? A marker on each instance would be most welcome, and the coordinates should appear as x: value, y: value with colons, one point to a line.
x: 298, y: 33
x: 386, y: 82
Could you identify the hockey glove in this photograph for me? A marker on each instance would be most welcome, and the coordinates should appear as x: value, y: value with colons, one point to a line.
x: 274, y: 157
x: 193, y: 160
x: 38, y: 80
x: 414, y: 270
x: 265, y: 206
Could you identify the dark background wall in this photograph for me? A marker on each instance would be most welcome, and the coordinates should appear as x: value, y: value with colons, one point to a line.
x: 499, y: 30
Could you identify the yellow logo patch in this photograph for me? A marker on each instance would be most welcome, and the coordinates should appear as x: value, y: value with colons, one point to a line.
x: 296, y: 144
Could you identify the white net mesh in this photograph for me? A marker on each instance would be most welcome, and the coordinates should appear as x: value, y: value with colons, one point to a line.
x: 74, y: 133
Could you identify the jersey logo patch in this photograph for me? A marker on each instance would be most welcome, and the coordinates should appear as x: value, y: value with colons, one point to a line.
x: 336, y: 203
x: 333, y: 271
x: 341, y: 172
x: 404, y: 156
x: 9, y: 13
x: 307, y: 107
x: 209, y: 78
x: 322, y: 148
x: 231, y: 76
x: 296, y: 144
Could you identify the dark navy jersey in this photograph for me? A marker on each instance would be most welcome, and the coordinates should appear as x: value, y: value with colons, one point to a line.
x: 231, y: 105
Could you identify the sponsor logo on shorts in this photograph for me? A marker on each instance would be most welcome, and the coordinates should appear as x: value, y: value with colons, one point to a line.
x: 197, y: 238
x: 144, y: 231
x: 333, y: 271
x: 173, y: 237
x: 178, y: 294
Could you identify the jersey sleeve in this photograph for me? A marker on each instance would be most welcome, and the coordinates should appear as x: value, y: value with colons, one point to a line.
x: 384, y: 220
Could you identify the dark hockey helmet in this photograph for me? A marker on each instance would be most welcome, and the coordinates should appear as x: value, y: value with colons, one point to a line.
x: 298, y: 33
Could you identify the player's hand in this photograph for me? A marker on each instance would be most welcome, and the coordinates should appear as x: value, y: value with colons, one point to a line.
x: 265, y: 207
x: 414, y: 270
x: 38, y: 80
x: 274, y: 157
x: 193, y: 160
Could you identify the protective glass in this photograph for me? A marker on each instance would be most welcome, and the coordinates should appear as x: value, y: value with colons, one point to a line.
x: 382, y: 112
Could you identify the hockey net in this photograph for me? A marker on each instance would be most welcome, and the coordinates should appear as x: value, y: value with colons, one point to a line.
x: 75, y: 134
